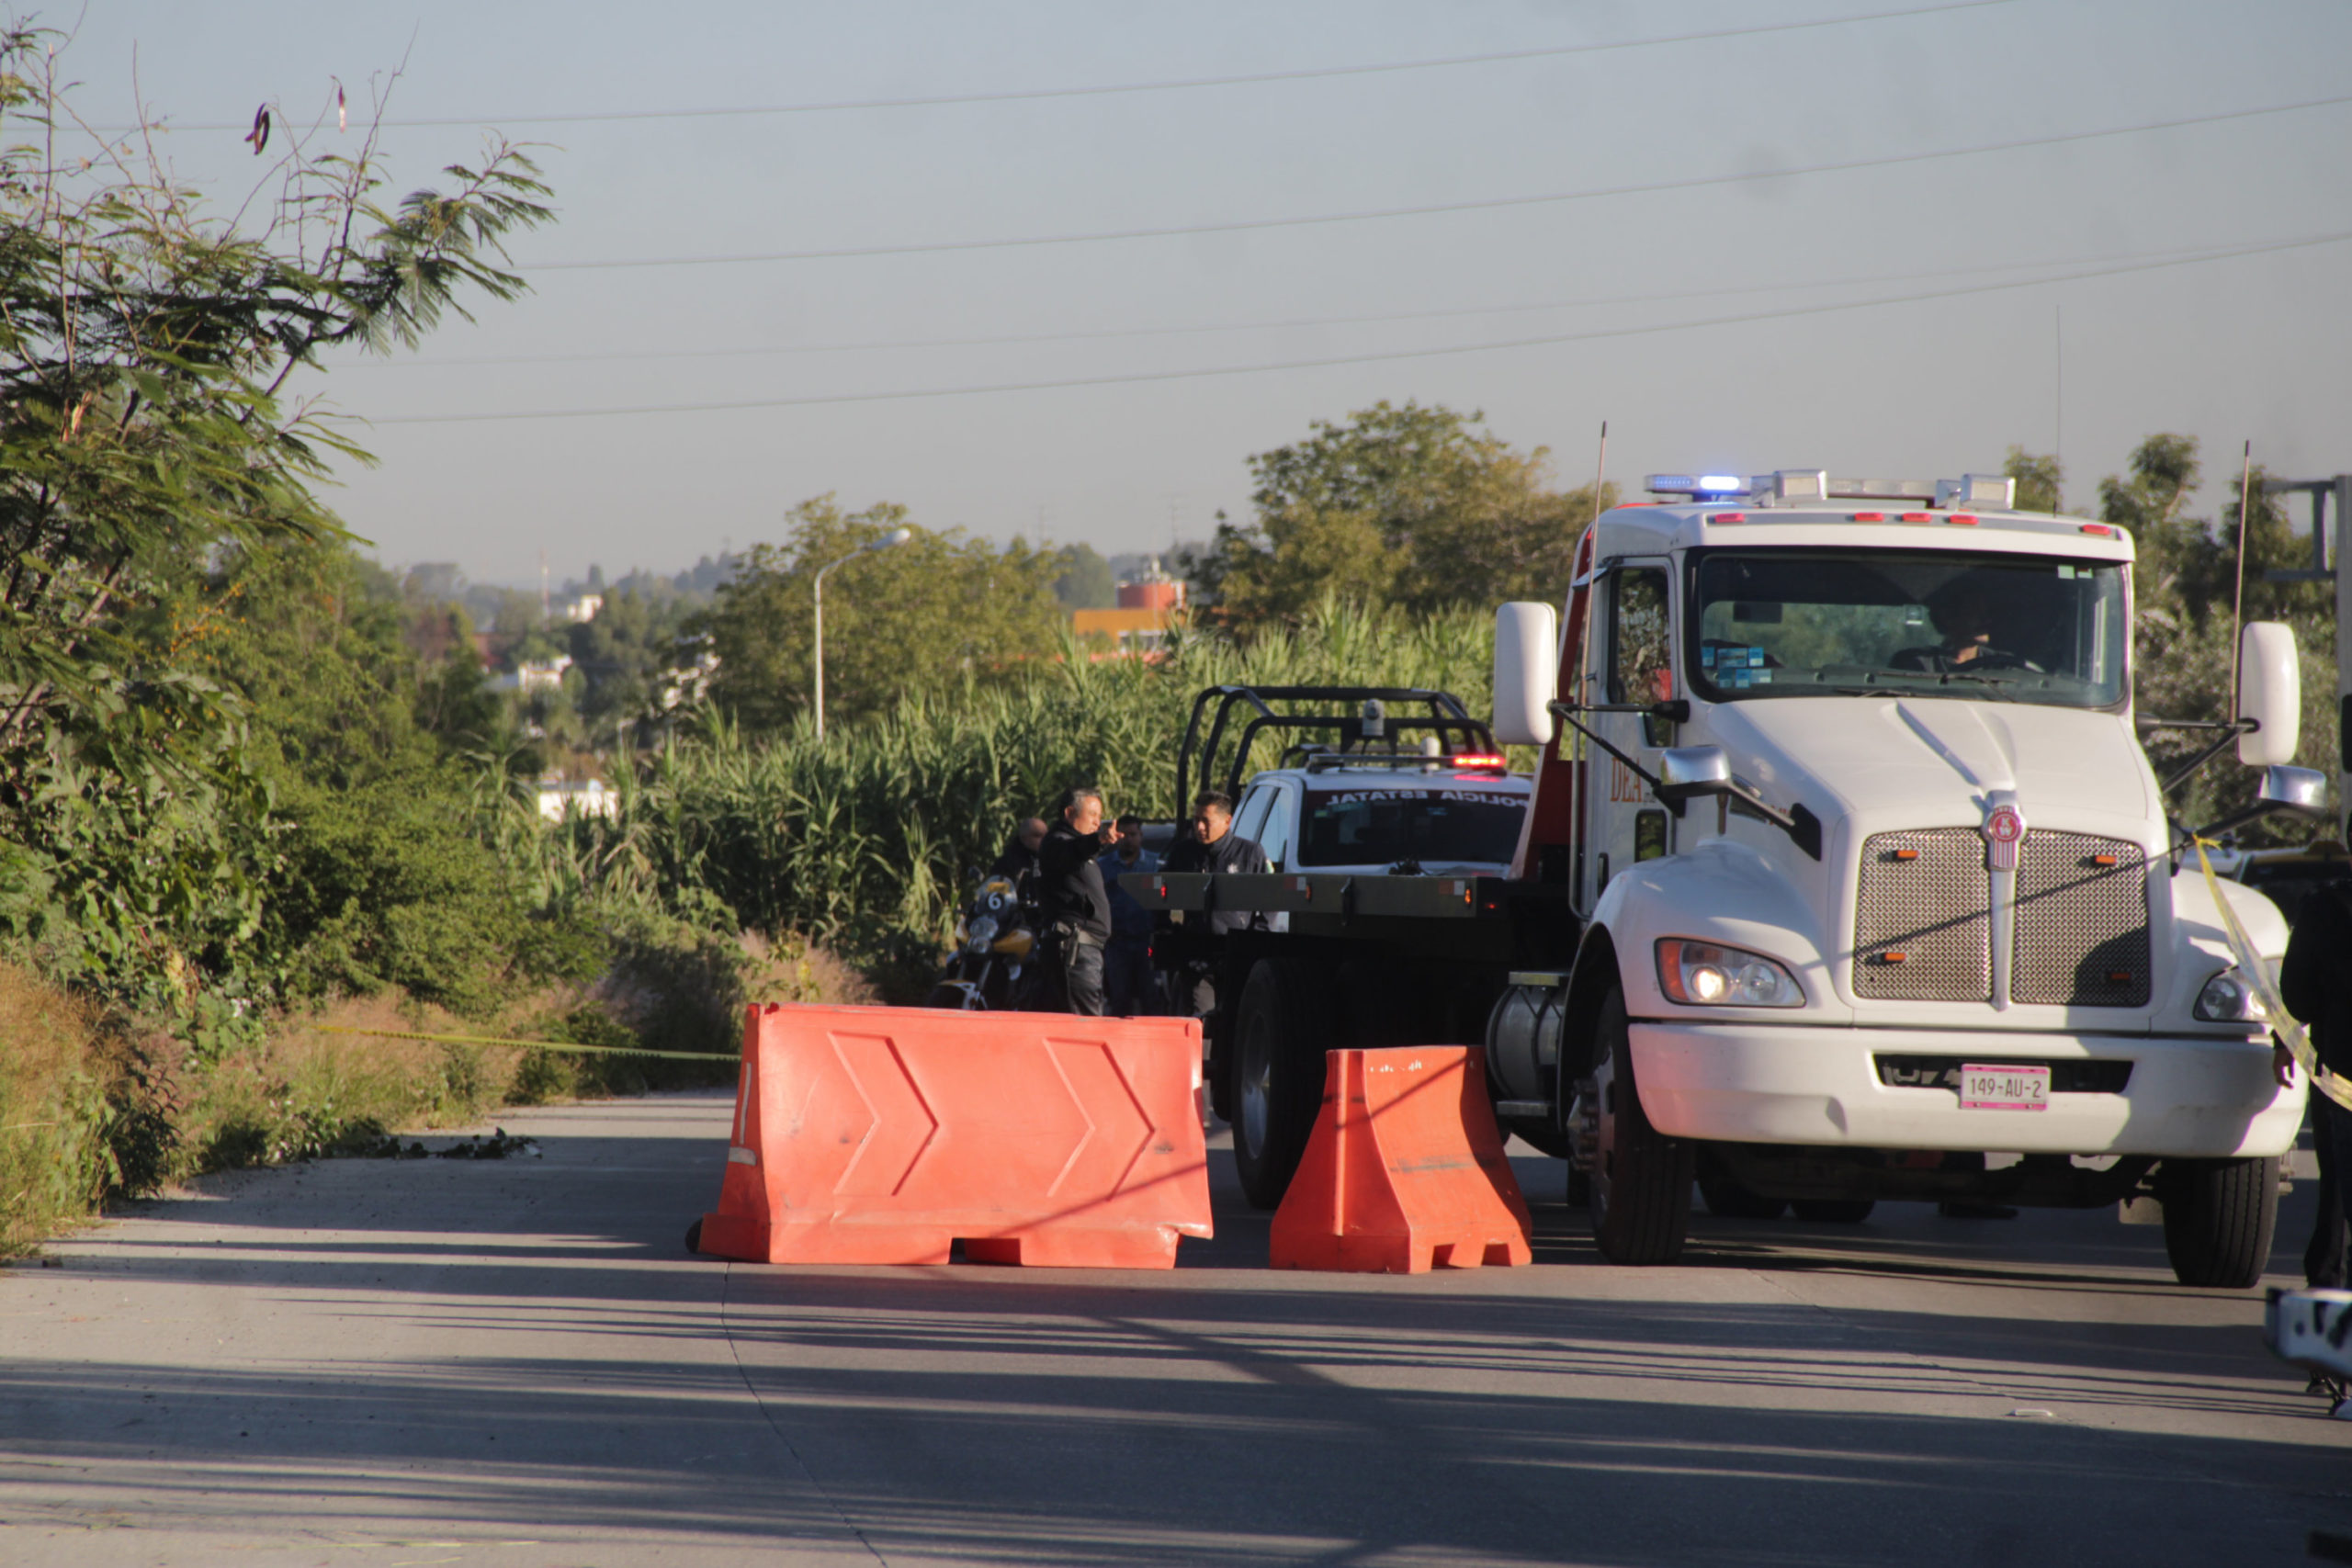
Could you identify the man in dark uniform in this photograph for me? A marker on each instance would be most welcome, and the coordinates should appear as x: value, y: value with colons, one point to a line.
x: 2315, y: 982
x: 1213, y: 847
x: 1020, y: 857
x: 1127, y: 987
x: 1073, y: 903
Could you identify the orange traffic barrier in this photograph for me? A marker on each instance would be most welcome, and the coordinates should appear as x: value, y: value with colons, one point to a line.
x: 1405, y: 1171
x: 888, y: 1134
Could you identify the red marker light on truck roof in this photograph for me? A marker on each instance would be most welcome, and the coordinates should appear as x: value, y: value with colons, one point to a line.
x: 1489, y: 760
x: 1965, y: 519
x: 1727, y: 516
x: 1919, y: 517
x: 1868, y: 517
x: 2101, y: 529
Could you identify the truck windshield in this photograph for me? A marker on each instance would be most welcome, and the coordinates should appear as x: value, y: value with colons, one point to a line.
x: 1801, y: 622
x: 1381, y: 827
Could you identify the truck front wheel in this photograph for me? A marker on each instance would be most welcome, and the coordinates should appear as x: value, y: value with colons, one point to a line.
x: 1280, y: 1035
x: 2219, y: 1216
x: 1641, y: 1178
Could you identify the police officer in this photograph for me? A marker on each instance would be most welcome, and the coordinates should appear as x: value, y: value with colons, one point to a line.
x: 1073, y: 903
x: 2315, y: 982
x: 1128, y: 987
x: 1215, y: 847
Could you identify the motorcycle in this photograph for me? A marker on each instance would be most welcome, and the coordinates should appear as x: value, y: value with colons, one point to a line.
x: 992, y: 969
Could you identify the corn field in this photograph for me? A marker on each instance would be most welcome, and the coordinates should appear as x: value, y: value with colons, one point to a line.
x: 867, y: 843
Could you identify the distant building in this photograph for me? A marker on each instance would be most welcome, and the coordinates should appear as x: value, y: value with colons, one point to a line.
x: 1152, y: 594
x: 560, y: 798
x: 533, y: 675
x: 584, y: 608
x: 1148, y: 605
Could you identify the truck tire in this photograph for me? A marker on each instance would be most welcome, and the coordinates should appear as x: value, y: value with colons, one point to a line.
x: 1641, y: 1178
x: 1834, y: 1211
x: 1281, y: 1033
x: 2219, y: 1218
x: 1726, y: 1198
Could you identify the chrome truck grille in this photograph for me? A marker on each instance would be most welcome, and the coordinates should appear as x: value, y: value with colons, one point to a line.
x: 1923, y: 926
x: 2081, y: 922
x: 1923, y: 919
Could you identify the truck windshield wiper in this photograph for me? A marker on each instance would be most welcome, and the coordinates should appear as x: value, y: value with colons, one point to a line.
x: 1944, y: 677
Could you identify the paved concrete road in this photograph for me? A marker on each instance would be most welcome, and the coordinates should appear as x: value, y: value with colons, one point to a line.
x: 513, y: 1364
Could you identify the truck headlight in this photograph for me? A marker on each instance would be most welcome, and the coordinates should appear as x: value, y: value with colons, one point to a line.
x: 1699, y: 974
x: 2229, y: 999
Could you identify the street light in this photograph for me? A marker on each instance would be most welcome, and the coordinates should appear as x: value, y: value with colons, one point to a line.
x: 896, y: 536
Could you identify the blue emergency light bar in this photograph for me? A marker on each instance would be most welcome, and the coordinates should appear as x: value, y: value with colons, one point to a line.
x: 1697, y: 486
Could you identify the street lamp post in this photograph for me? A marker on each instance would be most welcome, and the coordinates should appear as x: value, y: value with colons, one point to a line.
x: 896, y: 536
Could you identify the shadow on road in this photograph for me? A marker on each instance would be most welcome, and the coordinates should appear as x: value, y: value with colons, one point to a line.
x: 1217, y: 1413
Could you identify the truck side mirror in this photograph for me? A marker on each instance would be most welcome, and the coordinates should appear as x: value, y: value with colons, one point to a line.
x: 2271, y: 692
x: 2300, y: 791
x: 1687, y: 773
x: 1526, y: 672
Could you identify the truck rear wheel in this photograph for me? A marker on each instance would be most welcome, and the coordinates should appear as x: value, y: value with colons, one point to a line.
x: 2219, y: 1218
x: 1280, y: 1035
x: 1641, y: 1178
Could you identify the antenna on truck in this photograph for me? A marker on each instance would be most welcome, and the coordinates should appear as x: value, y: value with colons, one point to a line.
x: 1599, y: 470
x: 2237, y: 600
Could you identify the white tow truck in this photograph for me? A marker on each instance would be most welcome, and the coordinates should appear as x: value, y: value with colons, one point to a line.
x: 1845, y: 879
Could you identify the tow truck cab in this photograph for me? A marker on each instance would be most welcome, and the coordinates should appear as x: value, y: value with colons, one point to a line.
x: 1874, y: 880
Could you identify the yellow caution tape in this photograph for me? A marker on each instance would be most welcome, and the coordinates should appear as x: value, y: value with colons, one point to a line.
x: 528, y: 1045
x: 2258, y: 975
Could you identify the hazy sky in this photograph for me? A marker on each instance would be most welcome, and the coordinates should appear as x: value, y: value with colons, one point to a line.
x: 2090, y: 219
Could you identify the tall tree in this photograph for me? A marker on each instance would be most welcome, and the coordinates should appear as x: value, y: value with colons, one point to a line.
x: 2042, y: 479
x: 144, y: 347
x: 1086, y: 581
x: 1413, y: 506
x: 943, y: 608
x: 147, y: 443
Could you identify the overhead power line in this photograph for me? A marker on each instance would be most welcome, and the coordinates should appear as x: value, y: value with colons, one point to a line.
x: 1489, y: 204
x: 1330, y: 361
x: 1290, y: 324
x: 1176, y: 84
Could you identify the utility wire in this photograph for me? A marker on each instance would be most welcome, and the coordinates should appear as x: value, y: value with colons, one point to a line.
x: 1335, y: 360
x: 1177, y: 85
x: 1110, y: 334
x: 1491, y: 204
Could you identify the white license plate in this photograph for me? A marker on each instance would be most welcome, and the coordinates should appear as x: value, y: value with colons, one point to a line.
x: 1986, y: 1085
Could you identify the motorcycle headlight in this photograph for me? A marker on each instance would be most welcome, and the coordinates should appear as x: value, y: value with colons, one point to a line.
x: 979, y: 934
x: 1699, y: 974
x: 2229, y: 997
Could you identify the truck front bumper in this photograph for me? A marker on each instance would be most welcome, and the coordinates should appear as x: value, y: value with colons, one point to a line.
x: 1783, y: 1084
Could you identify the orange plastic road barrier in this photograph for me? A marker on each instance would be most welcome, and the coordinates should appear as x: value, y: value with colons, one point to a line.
x: 1405, y: 1171
x: 886, y: 1135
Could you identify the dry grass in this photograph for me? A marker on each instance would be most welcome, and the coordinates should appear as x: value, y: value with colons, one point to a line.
x: 55, y: 1067
x: 794, y: 971
x: 322, y: 1082
x: 327, y: 1082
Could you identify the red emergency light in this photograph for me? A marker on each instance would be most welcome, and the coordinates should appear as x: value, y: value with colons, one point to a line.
x: 1491, y: 761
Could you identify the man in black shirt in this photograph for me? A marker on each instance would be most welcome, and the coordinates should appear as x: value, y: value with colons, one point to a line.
x: 1213, y: 846
x: 2315, y: 982
x: 1073, y: 903
x: 1020, y: 857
